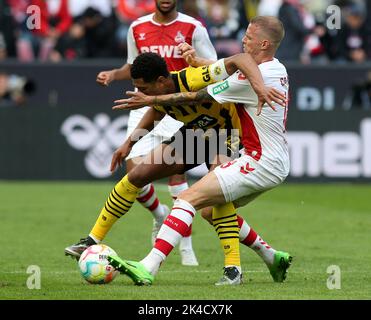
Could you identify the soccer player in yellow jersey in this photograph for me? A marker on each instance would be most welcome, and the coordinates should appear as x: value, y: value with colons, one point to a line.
x: 150, y: 76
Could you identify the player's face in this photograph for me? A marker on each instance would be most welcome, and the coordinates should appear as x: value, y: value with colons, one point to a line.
x: 252, y: 41
x: 165, y: 6
x: 149, y: 88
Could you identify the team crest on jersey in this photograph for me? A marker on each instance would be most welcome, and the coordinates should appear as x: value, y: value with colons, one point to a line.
x: 142, y: 36
x: 179, y: 38
x: 218, y: 70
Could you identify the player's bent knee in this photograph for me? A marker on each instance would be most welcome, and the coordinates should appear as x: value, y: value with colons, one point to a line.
x: 131, y: 163
x: 138, y: 178
x: 194, y: 198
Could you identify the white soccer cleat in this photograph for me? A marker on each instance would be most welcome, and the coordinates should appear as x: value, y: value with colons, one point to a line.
x: 231, y: 277
x: 188, y: 257
x: 157, y: 223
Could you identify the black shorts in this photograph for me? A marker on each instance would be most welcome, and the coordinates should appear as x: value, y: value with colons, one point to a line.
x: 196, y: 147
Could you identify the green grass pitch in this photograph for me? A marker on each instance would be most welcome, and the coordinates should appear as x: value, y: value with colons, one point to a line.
x: 320, y: 225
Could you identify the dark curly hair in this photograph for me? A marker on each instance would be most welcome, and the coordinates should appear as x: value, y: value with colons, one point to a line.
x: 149, y: 66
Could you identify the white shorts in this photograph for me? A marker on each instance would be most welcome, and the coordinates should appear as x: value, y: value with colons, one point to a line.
x: 163, y: 131
x: 244, y: 179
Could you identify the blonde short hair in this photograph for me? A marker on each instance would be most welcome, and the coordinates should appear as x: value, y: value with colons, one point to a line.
x: 272, y: 28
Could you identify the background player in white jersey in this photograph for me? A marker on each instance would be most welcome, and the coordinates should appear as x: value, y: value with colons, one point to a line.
x: 160, y: 32
x: 263, y: 166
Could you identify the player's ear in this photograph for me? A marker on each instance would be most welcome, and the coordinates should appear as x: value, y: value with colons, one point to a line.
x: 161, y: 79
x: 265, y: 44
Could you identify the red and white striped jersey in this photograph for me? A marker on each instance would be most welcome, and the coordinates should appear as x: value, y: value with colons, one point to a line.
x: 263, y: 136
x: 146, y: 35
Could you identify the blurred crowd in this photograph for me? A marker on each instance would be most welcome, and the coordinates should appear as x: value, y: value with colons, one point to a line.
x: 74, y: 29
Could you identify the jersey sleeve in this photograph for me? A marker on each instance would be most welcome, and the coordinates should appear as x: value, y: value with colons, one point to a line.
x: 233, y: 90
x: 202, y: 44
x: 131, y: 45
x: 198, y: 78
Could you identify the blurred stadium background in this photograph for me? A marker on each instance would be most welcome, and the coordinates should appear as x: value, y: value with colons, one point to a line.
x: 56, y: 123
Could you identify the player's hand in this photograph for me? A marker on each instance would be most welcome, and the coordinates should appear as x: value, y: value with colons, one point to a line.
x: 104, y: 78
x: 270, y: 96
x: 119, y: 156
x: 188, y: 53
x: 137, y: 100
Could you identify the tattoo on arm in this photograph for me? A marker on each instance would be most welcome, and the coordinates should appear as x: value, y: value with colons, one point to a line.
x: 184, y: 98
x: 203, y: 95
x: 175, y: 98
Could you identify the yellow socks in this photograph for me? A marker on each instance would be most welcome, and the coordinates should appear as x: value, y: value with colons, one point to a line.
x: 118, y: 203
x: 226, y: 225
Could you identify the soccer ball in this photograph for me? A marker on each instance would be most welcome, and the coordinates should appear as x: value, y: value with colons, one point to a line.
x: 94, y: 266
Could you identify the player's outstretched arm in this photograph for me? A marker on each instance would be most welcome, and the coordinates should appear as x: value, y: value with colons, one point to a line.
x: 189, y: 55
x: 104, y: 78
x: 139, y: 99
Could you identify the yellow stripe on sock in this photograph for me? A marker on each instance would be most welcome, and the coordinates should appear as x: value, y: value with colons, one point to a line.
x: 112, y: 210
x: 226, y: 225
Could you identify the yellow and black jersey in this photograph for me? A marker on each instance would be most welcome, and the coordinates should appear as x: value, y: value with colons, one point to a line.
x: 204, y: 115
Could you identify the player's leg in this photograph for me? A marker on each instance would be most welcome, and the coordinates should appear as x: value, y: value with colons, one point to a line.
x: 147, y: 196
x: 166, y: 130
x: 277, y: 261
x: 117, y: 205
x: 176, y: 185
x: 242, y: 178
x: 243, y: 181
x: 250, y: 238
x: 124, y: 194
x: 219, y: 159
x: 148, y: 170
x: 203, y: 193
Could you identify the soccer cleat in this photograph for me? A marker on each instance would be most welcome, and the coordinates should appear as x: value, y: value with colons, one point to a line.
x: 157, y: 223
x: 231, y: 277
x: 77, y: 249
x: 188, y: 258
x: 134, y: 270
x: 282, y: 261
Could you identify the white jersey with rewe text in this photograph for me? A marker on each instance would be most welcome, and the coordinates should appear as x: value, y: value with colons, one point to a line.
x: 146, y: 35
x: 263, y: 136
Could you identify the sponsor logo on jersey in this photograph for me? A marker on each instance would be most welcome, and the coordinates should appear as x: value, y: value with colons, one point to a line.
x: 202, y: 122
x: 221, y: 87
x: 164, y: 51
x: 179, y: 38
x: 142, y: 36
